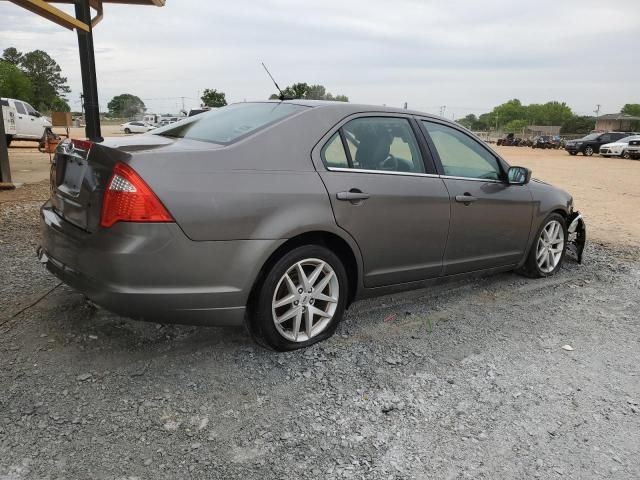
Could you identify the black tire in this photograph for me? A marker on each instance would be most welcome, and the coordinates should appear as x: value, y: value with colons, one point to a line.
x: 588, y: 151
x: 573, y: 153
x: 530, y: 267
x: 626, y: 155
x: 261, y: 324
x: 126, y: 130
x: 9, y: 139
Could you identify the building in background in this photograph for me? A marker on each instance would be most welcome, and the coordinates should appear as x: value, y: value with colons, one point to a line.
x: 617, y: 122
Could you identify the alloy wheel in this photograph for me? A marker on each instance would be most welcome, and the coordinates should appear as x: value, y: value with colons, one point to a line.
x: 550, y: 246
x: 305, y: 300
x: 588, y: 151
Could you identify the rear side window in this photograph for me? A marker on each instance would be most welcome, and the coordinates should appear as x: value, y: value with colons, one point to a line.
x: 333, y: 153
x: 227, y: 124
x: 376, y: 143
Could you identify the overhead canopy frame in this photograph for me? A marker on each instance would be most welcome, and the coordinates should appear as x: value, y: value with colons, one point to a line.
x: 83, y: 24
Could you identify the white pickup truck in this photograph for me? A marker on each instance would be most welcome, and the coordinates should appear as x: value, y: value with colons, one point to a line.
x: 22, y: 121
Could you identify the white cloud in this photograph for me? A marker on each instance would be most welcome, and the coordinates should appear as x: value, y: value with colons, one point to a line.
x: 465, y: 54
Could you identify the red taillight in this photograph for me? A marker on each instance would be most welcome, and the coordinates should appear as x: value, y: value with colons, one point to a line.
x: 129, y: 199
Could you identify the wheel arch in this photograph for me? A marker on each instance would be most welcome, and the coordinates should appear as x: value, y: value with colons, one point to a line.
x: 343, y: 248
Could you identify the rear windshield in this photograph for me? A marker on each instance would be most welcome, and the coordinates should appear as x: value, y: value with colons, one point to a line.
x: 227, y: 124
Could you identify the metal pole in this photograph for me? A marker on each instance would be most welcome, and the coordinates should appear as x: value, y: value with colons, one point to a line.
x: 5, y: 169
x: 88, y: 70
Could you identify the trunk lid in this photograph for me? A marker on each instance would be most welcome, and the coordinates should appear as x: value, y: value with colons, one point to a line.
x: 81, y: 170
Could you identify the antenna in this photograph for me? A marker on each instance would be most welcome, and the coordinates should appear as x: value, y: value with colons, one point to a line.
x: 282, y: 95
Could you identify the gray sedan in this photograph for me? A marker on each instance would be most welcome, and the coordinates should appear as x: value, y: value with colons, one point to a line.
x: 278, y: 215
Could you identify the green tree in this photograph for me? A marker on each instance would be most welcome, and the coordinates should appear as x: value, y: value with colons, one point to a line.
x: 631, y: 109
x: 578, y: 124
x: 213, y: 98
x: 14, y: 83
x: 12, y: 56
x: 60, y: 105
x: 472, y: 122
x: 125, y: 105
x: 46, y: 78
x: 309, y: 92
x: 516, y: 126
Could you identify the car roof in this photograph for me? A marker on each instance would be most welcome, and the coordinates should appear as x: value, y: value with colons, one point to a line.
x: 349, y: 108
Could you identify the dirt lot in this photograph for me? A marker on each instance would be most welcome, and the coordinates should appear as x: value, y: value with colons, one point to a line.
x: 464, y: 381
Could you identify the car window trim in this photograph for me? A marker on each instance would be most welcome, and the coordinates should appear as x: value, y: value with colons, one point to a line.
x: 502, y: 165
x: 382, y: 172
x: 345, y: 147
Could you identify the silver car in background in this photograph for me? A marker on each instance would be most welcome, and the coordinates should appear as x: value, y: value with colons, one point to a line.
x: 278, y: 215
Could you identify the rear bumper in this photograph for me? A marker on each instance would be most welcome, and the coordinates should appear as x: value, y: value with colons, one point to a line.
x: 153, y: 271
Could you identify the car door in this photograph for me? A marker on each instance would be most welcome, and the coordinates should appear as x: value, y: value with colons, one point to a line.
x: 490, y: 218
x: 386, y: 194
x: 24, y: 128
x: 36, y: 129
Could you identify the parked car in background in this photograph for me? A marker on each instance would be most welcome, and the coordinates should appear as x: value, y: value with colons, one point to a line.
x: 22, y: 121
x: 136, y: 127
x: 591, y: 143
x: 618, y: 148
x: 278, y: 215
x: 633, y: 149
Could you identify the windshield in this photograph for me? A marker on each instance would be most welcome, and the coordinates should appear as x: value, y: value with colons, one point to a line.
x: 226, y: 124
x: 592, y: 136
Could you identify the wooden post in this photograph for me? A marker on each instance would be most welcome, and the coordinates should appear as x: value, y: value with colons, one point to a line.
x: 5, y: 169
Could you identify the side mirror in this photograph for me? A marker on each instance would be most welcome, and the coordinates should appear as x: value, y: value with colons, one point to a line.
x: 519, y: 175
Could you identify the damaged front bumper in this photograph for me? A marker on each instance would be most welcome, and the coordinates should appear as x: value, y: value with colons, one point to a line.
x: 576, y: 236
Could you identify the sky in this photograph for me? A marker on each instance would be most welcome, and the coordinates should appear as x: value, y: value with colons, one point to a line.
x: 464, y: 55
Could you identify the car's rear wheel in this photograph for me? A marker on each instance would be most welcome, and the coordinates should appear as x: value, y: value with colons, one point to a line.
x: 301, y: 300
x: 588, y: 151
x: 547, y: 251
x: 127, y: 130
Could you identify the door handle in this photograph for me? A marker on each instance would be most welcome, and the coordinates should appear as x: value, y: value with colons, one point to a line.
x: 467, y: 198
x: 353, y: 195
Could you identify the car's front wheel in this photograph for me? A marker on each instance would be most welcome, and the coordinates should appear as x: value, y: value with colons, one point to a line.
x: 626, y: 155
x: 127, y: 130
x: 301, y: 300
x: 573, y: 153
x: 548, y: 248
x: 588, y: 151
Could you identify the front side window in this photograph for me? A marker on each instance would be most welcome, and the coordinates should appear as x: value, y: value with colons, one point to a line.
x: 461, y: 155
x: 383, y: 143
x: 226, y: 124
x: 31, y: 111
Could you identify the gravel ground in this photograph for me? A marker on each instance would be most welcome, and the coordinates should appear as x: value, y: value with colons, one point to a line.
x: 468, y: 380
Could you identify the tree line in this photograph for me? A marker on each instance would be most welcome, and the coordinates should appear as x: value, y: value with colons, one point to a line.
x: 513, y: 116
x: 127, y: 105
x: 34, y: 77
